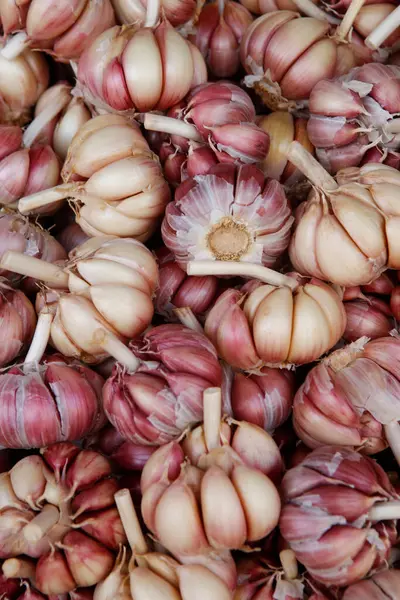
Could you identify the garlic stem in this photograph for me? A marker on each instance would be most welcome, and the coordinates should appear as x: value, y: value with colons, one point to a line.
x: 212, y: 407
x: 15, y: 46
x: 19, y: 567
x: 40, y: 338
x: 189, y: 319
x: 172, y: 126
x: 289, y: 564
x: 392, y: 432
x: 307, y: 7
x: 385, y: 511
x: 41, y: 524
x: 46, y: 197
x: 310, y: 167
x: 152, y: 13
x: 221, y: 7
x: 348, y: 19
x: 117, y: 349
x: 34, y: 267
x: 240, y: 269
x: 383, y: 30
x: 130, y: 521
x: 44, y: 117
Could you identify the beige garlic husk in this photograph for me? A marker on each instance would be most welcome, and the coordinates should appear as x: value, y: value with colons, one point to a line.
x: 276, y: 320
x: 114, y: 179
x: 101, y: 298
x: 150, y: 575
x: 348, y: 230
x: 58, y: 116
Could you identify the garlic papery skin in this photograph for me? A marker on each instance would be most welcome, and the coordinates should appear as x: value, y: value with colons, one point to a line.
x: 145, y: 69
x: 219, y: 116
x: 22, y: 81
x: 58, y: 117
x: 265, y: 399
x: 25, y: 170
x: 71, y: 527
x: 178, y: 12
x: 63, y: 28
x: 330, y: 515
x: 231, y: 473
x: 111, y: 283
x: 19, y: 235
x: 17, y: 323
x: 286, y: 55
x: 164, y: 396
x: 352, y: 398
x: 370, y: 317
x: 382, y: 585
x: 326, y: 242
x: 354, y: 113
x: 230, y: 214
x: 114, y: 178
x: 218, y: 34
x: 67, y: 395
x: 270, y: 326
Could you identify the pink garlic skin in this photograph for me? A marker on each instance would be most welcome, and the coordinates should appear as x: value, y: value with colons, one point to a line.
x: 72, y: 236
x: 218, y: 36
x: 311, y: 53
x: 265, y: 399
x: 17, y: 323
x: 395, y: 302
x: 24, y: 171
x: 18, y: 234
x: 67, y: 395
x: 384, y: 585
x: 370, y: 317
x: 325, y: 515
x: 348, y: 397
x: 114, y: 81
x: 63, y: 28
x: 157, y: 403
x: 244, y: 197
x: 178, y: 290
x: 345, y: 122
x: 217, y: 110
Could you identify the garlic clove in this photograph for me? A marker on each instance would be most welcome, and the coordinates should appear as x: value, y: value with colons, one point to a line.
x: 260, y: 501
x: 88, y: 561
x: 272, y: 326
x: 146, y: 585
x: 53, y: 576
x: 224, y: 529
x: 197, y: 583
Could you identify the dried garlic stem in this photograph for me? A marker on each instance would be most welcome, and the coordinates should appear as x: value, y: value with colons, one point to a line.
x: 40, y: 338
x: 117, y: 349
x: 152, y: 13
x: 172, y: 126
x: 130, y: 521
x: 384, y: 511
x: 240, y: 269
x: 41, y: 524
x: 34, y: 267
x: 19, y: 567
x: 189, y: 319
x: 307, y: 7
x: 383, y: 30
x: 310, y: 167
x: 212, y: 407
x: 347, y: 22
x: 46, y: 197
x: 15, y: 46
x: 392, y: 432
x: 289, y: 564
